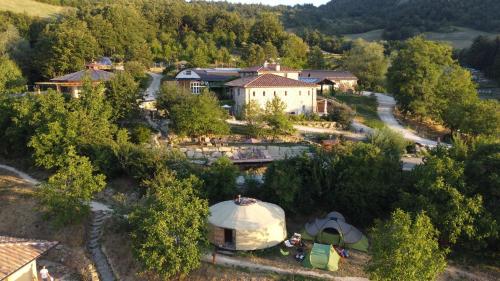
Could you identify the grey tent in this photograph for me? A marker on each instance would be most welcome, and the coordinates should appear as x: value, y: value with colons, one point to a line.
x: 334, y: 230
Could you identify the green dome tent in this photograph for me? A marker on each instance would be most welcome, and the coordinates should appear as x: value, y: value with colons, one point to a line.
x: 335, y: 231
x: 323, y: 257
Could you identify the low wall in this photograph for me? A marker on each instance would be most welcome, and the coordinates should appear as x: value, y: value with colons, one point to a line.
x: 212, y: 153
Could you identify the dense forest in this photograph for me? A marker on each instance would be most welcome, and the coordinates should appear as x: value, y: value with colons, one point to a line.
x: 145, y: 31
x: 484, y: 54
x: 399, y: 19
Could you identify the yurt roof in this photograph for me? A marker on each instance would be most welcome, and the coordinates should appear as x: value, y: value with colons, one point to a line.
x: 248, y: 216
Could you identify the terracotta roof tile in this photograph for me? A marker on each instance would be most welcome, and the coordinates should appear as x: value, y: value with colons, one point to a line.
x: 16, y: 252
x: 267, y: 80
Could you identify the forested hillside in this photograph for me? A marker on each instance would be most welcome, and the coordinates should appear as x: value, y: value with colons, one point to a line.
x: 399, y: 18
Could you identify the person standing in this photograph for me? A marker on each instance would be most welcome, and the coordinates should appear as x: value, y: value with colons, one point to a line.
x: 44, y: 274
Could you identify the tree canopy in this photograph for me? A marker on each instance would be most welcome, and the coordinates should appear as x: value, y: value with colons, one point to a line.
x: 169, y: 228
x: 405, y: 248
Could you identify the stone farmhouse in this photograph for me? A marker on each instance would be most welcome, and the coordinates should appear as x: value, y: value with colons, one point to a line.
x: 298, y: 89
x: 263, y: 83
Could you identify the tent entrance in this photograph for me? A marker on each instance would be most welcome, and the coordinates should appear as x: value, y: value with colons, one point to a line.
x: 229, y: 238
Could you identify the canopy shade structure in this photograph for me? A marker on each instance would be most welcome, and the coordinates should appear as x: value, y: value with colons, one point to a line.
x: 322, y: 256
x: 334, y: 230
x: 246, y: 224
x: 79, y: 76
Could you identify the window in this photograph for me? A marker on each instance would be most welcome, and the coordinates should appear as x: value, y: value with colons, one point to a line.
x: 263, y: 93
x: 195, y: 87
x: 308, y: 93
x: 300, y: 93
x: 253, y: 94
x: 188, y: 72
x: 286, y: 93
x: 274, y: 93
x: 238, y: 91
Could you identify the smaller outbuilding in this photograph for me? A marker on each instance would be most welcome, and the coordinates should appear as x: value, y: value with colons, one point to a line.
x: 246, y: 224
x: 18, y: 257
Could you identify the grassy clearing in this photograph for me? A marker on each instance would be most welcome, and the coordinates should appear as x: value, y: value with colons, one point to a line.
x: 374, y: 35
x: 30, y: 7
x: 458, y: 37
x: 365, y: 107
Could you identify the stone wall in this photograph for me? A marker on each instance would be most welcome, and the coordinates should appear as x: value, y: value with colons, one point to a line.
x: 212, y: 153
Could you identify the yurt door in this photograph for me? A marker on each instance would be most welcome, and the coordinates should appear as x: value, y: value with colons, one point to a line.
x: 229, y: 237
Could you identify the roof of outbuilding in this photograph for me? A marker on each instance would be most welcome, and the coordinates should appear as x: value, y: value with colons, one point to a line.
x: 17, y: 252
x: 93, y: 74
x: 216, y: 74
x: 271, y: 67
x: 327, y: 74
x: 267, y: 80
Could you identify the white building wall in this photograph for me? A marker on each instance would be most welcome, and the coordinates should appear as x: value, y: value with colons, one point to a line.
x: 187, y: 74
x: 299, y: 100
x: 26, y: 273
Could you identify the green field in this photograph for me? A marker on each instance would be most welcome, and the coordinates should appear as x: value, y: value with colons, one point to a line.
x: 30, y: 7
x: 365, y: 107
x: 459, y: 38
x: 374, y: 35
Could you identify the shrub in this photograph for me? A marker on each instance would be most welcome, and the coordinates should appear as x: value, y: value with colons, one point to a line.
x: 341, y: 114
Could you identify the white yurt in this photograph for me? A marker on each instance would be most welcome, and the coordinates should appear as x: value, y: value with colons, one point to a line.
x: 246, y: 224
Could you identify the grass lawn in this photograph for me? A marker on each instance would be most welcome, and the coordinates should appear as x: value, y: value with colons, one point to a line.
x: 30, y: 7
x: 365, y: 107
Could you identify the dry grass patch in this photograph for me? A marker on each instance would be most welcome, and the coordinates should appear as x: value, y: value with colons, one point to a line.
x: 31, y: 8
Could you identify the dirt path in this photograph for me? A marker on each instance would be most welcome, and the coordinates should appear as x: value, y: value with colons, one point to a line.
x: 231, y: 262
x: 151, y: 92
x: 385, y: 111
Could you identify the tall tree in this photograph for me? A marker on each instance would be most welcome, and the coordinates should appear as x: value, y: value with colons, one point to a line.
x: 11, y: 78
x: 66, y: 195
x: 267, y: 28
x: 169, y: 228
x: 438, y: 187
x: 65, y: 47
x: 254, y: 55
x: 219, y: 180
x: 415, y: 74
x: 277, y: 119
x: 294, y: 52
x: 405, y: 249
x: 122, y: 93
x: 199, y: 115
x: 254, y: 115
x: 316, y: 59
x: 367, y: 61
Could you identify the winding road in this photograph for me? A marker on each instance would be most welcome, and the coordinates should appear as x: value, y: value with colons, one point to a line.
x: 385, y: 111
x: 151, y: 92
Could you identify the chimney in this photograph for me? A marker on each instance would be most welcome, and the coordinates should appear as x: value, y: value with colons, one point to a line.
x: 278, y: 66
x: 266, y: 64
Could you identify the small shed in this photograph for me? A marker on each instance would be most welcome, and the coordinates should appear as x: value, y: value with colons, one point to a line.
x: 246, y: 224
x: 18, y: 257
